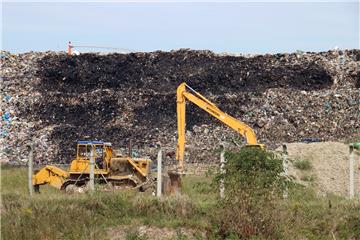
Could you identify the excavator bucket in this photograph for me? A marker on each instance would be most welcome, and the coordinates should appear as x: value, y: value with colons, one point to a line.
x: 172, y: 184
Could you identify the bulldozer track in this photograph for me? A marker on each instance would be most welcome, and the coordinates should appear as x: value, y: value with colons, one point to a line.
x: 116, y: 184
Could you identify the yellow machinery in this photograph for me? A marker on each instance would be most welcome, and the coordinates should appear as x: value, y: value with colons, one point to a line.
x: 115, y: 172
x: 212, y: 109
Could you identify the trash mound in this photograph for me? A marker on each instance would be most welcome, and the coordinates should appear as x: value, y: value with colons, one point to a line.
x: 162, y: 71
x: 329, y: 167
x: 53, y: 100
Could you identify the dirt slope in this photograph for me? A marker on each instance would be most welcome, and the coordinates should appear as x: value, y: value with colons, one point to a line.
x: 330, y: 166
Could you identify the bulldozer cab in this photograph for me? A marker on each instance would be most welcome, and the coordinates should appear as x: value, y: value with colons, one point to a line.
x: 102, y: 152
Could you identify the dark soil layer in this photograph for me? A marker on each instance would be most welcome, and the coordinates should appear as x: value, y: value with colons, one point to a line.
x: 163, y: 71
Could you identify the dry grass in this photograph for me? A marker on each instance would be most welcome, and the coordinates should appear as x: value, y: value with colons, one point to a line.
x: 54, y: 215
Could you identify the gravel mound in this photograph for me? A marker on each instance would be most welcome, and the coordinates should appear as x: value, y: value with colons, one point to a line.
x: 53, y: 100
x: 329, y: 172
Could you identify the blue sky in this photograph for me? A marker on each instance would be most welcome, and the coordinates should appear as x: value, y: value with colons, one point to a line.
x: 221, y: 27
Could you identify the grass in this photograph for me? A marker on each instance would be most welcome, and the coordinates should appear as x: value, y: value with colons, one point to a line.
x: 134, y: 235
x: 302, y: 164
x: 308, y: 178
x: 53, y: 215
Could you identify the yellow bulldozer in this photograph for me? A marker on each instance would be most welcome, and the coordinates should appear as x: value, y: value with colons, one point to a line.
x: 110, y: 171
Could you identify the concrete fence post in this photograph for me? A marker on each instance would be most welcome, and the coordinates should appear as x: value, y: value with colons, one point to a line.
x: 351, y: 172
x: 30, y: 168
x: 222, y: 171
x: 285, y: 167
x: 92, y: 169
x: 159, y: 174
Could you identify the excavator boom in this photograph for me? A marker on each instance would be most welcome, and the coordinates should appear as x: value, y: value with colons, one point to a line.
x: 212, y: 109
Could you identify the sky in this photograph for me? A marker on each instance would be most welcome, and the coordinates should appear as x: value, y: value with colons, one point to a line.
x: 233, y: 27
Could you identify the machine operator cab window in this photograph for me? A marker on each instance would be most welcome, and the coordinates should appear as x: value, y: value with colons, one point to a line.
x: 84, y: 151
x: 99, y: 156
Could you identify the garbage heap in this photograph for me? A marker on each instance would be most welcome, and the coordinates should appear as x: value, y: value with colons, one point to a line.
x: 52, y: 100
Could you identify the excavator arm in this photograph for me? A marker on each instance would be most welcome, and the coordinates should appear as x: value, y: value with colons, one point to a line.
x: 212, y: 109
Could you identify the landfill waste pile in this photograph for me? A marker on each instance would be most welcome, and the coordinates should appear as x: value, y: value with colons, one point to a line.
x: 52, y: 100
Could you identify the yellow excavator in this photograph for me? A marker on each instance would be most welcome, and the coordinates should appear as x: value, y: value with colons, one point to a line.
x: 109, y: 170
x: 199, y: 100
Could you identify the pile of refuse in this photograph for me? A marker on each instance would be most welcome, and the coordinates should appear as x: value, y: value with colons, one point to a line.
x: 52, y: 100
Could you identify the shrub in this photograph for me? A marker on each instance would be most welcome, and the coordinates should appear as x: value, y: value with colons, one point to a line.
x: 302, y: 164
x: 253, y: 183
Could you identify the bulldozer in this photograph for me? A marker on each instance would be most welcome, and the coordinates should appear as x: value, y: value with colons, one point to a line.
x: 111, y: 171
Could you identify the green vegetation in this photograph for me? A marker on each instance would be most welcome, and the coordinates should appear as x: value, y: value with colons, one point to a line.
x: 302, y: 164
x: 253, y: 208
x: 351, y: 139
x: 254, y: 186
x: 308, y: 178
x: 134, y: 235
x: 53, y: 215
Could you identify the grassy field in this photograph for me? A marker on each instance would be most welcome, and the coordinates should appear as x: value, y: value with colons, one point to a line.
x: 53, y: 215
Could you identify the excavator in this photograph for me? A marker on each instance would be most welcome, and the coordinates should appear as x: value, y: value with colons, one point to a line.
x: 116, y: 172
x: 199, y: 100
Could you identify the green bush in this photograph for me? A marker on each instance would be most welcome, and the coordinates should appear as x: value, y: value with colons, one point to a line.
x: 302, y: 164
x: 253, y: 183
